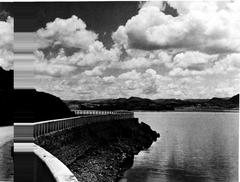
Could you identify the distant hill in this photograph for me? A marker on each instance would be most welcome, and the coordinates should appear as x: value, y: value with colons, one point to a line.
x: 137, y: 103
x: 6, y: 80
x: 6, y: 91
x: 235, y: 99
x: 225, y: 102
x: 32, y: 106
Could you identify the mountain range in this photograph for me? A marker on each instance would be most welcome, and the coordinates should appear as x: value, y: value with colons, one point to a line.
x: 137, y: 103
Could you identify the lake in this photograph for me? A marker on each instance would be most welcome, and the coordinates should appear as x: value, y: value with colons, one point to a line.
x: 193, y: 147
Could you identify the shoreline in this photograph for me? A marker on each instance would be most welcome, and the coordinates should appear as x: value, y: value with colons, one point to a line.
x: 7, y: 171
x: 225, y: 111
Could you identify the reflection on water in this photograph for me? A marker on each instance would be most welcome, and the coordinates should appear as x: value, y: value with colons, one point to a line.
x: 193, y: 147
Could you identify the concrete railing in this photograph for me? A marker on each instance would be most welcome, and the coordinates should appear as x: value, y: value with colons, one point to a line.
x: 32, y: 163
x: 92, y: 112
x: 59, y: 171
x: 28, y: 131
x: 100, y: 112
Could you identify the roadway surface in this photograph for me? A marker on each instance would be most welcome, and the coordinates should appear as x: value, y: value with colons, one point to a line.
x: 6, y: 161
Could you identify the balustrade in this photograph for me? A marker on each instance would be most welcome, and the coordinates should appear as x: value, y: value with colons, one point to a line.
x: 27, y: 132
x: 87, y: 117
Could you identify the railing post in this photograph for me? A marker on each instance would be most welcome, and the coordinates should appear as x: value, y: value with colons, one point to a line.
x: 93, y: 116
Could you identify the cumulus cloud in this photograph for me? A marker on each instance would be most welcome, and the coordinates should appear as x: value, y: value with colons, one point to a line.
x: 53, y: 69
x: 200, y: 26
x: 205, y: 64
x: 148, y: 83
x: 139, y: 59
x: 69, y: 44
x: 154, y: 55
x: 69, y: 32
x: 190, y: 59
x: 145, y: 83
x: 6, y: 33
x: 6, y: 59
x: 6, y: 43
x: 96, y: 56
x: 126, y: 84
x: 96, y: 71
x: 229, y: 64
x: 133, y: 63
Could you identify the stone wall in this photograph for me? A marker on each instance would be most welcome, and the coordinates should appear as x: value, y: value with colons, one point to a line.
x: 99, y: 151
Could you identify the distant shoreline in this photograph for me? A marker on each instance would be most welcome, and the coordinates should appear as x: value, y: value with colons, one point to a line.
x: 228, y: 111
x: 160, y: 105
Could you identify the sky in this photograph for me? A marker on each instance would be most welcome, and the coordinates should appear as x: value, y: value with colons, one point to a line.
x: 90, y: 50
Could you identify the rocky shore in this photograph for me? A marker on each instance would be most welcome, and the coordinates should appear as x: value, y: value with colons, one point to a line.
x: 100, y: 152
x: 6, y: 162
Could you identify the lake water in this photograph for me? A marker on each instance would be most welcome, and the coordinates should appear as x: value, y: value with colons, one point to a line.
x: 6, y: 160
x: 193, y: 147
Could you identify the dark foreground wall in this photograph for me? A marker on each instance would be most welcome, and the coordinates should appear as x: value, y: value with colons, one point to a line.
x: 101, y: 151
x: 28, y: 167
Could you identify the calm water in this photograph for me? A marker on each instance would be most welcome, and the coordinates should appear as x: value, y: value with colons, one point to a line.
x: 6, y: 160
x: 193, y: 147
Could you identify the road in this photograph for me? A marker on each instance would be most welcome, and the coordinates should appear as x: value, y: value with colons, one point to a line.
x: 6, y: 161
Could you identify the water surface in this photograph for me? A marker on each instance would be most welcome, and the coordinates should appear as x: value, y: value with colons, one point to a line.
x: 193, y: 147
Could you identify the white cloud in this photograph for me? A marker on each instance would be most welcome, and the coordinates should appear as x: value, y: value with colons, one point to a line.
x: 6, y: 59
x: 139, y: 59
x: 96, y: 56
x: 229, y: 64
x: 6, y: 33
x: 57, y: 70
x: 130, y: 75
x: 133, y: 63
x: 96, y: 71
x: 109, y: 79
x: 154, y: 55
x: 69, y: 32
x: 6, y: 43
x: 148, y: 84
x: 205, y: 27
x: 193, y: 60
x: 192, y: 63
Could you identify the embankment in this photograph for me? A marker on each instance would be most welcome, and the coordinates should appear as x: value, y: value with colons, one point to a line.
x: 6, y: 162
x: 100, y: 152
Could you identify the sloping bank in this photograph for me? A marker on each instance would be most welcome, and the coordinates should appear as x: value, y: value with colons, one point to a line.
x: 100, y: 152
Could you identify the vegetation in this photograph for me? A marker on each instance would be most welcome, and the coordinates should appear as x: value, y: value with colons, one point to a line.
x: 6, y: 91
x: 32, y: 106
x: 136, y: 103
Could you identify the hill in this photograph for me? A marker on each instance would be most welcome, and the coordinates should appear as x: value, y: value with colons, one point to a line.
x: 235, y: 99
x: 225, y: 102
x: 32, y: 106
x: 6, y: 91
x: 137, y: 103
